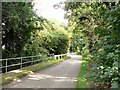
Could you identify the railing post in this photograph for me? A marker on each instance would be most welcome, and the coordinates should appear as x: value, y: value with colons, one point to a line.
x: 21, y: 63
x: 6, y: 67
x: 54, y: 57
x: 32, y: 61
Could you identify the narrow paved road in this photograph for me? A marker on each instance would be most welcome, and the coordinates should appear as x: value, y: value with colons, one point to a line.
x: 63, y: 75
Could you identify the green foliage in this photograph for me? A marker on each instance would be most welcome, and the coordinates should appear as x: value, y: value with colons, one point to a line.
x: 34, y: 46
x: 17, y: 19
x: 24, y: 33
x: 61, y: 44
x: 107, y: 47
x: 98, y: 25
x: 45, y: 42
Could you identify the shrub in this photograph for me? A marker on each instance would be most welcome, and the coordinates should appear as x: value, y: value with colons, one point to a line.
x: 45, y: 42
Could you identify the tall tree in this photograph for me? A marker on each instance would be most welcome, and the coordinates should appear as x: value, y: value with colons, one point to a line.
x: 17, y: 19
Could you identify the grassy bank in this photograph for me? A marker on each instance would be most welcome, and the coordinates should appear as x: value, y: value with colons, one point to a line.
x: 82, y: 81
x: 13, y: 76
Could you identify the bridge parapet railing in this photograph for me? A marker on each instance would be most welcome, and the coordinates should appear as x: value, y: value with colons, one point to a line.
x: 9, y: 64
x: 60, y: 56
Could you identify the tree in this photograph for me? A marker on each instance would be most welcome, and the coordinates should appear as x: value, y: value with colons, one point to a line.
x: 18, y: 23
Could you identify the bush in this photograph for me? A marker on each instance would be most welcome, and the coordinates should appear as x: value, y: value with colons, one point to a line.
x: 61, y: 42
x: 45, y: 42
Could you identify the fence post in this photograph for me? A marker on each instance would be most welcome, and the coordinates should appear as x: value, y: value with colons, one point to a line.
x: 6, y: 67
x: 21, y: 63
x: 32, y: 61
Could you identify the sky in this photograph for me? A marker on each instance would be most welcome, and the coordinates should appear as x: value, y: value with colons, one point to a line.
x: 45, y: 8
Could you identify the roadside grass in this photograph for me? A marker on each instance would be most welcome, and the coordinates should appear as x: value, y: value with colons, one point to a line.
x: 82, y: 81
x: 14, y: 76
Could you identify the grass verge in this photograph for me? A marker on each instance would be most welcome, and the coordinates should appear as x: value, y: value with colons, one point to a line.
x: 82, y: 81
x: 14, y: 76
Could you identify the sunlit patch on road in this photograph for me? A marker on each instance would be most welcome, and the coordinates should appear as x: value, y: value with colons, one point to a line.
x: 54, y: 78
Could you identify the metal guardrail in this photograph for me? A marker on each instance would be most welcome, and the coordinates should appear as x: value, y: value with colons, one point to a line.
x: 25, y: 60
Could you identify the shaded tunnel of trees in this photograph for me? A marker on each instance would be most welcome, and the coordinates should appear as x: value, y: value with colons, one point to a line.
x: 93, y: 31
